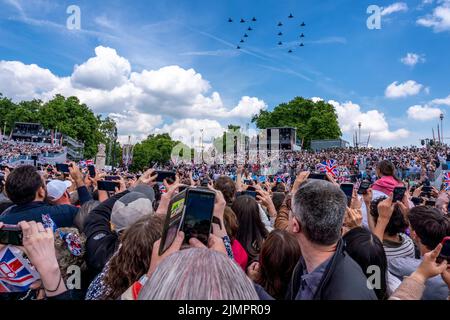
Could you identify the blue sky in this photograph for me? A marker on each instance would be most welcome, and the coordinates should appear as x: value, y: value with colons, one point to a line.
x: 342, y: 61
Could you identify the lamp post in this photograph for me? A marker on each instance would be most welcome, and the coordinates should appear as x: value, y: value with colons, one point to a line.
x: 114, y: 148
x: 201, y: 130
x: 359, y: 138
x: 441, y: 116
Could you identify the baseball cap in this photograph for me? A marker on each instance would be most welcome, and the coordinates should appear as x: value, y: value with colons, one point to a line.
x: 130, y: 208
x: 56, y: 189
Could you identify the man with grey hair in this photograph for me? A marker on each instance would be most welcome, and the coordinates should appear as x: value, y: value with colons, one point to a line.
x: 325, y: 271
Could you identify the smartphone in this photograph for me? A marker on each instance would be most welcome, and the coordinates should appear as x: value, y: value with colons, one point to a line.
x: 190, y: 211
x: 398, y: 194
x: 111, y: 178
x: 348, y: 190
x: 11, y: 234
x: 249, y: 193
x: 430, y: 203
x: 445, y: 251
x: 62, y: 167
x: 91, y: 170
x: 198, y: 214
x: 248, y: 182
x: 162, y: 175
x: 317, y: 176
x: 173, y: 221
x: 364, y: 185
x: 107, y: 185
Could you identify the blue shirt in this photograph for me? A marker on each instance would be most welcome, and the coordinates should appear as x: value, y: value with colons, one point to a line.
x: 310, y: 281
x: 62, y: 215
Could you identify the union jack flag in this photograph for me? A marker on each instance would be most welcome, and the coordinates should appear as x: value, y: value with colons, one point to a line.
x: 16, y: 274
x: 447, y: 181
x: 330, y: 166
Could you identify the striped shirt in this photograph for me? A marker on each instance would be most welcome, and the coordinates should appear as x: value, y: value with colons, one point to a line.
x: 402, y: 249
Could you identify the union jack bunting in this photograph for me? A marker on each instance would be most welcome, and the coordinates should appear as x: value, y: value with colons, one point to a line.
x: 330, y: 166
x: 447, y: 181
x: 16, y: 274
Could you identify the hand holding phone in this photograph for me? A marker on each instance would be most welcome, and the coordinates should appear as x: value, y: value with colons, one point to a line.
x: 110, y: 186
x: 363, y: 187
x: 62, y: 167
x: 91, y: 169
x: 348, y: 190
x: 162, y: 175
x: 398, y: 194
x: 445, y: 251
x: 11, y: 235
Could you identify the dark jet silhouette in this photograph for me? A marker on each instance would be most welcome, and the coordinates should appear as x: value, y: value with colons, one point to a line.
x: 242, y: 20
x: 280, y: 24
x: 238, y: 47
x: 254, y: 19
x: 303, y: 24
x: 302, y: 35
x: 280, y: 43
x: 230, y: 20
x: 242, y: 41
x: 290, y: 16
x: 249, y: 29
x: 290, y: 51
x: 280, y: 33
x: 302, y: 45
x: 245, y: 35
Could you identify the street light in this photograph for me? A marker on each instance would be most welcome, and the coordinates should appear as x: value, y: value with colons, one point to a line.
x: 441, y: 116
x: 359, y: 139
x: 201, y: 130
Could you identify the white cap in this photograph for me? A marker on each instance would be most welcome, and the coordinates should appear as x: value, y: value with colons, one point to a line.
x: 56, y: 189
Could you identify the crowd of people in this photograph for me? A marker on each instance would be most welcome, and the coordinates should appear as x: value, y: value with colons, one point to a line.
x: 288, y: 235
x: 12, y: 151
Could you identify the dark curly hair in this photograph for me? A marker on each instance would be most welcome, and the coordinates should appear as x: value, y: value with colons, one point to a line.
x: 132, y: 260
x: 397, y: 223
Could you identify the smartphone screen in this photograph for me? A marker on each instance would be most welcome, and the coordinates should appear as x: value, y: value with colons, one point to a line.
x: 162, y: 175
x: 249, y: 193
x: 445, y: 251
x: 62, y: 167
x: 363, y: 187
x: 91, y: 170
x: 198, y: 215
x: 112, y: 178
x: 317, y: 176
x: 399, y: 192
x: 107, y: 185
x: 173, y: 222
x: 11, y: 235
x: 348, y: 190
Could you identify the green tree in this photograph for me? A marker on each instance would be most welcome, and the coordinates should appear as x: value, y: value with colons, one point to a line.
x: 156, y: 148
x: 74, y: 119
x: 312, y: 120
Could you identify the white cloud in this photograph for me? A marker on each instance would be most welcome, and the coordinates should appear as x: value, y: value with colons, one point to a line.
x: 373, y: 122
x: 423, y: 113
x: 439, y: 19
x: 408, y: 88
x: 139, y: 101
x: 106, y: 71
x: 395, y: 7
x: 188, y: 131
x: 411, y: 59
x: 316, y: 99
x: 444, y: 101
x: 21, y: 81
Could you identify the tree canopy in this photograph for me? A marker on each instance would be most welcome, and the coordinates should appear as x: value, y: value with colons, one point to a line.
x: 312, y: 120
x: 67, y: 115
x: 156, y: 148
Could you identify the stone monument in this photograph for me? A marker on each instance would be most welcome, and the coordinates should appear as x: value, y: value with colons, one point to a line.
x: 100, y: 159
